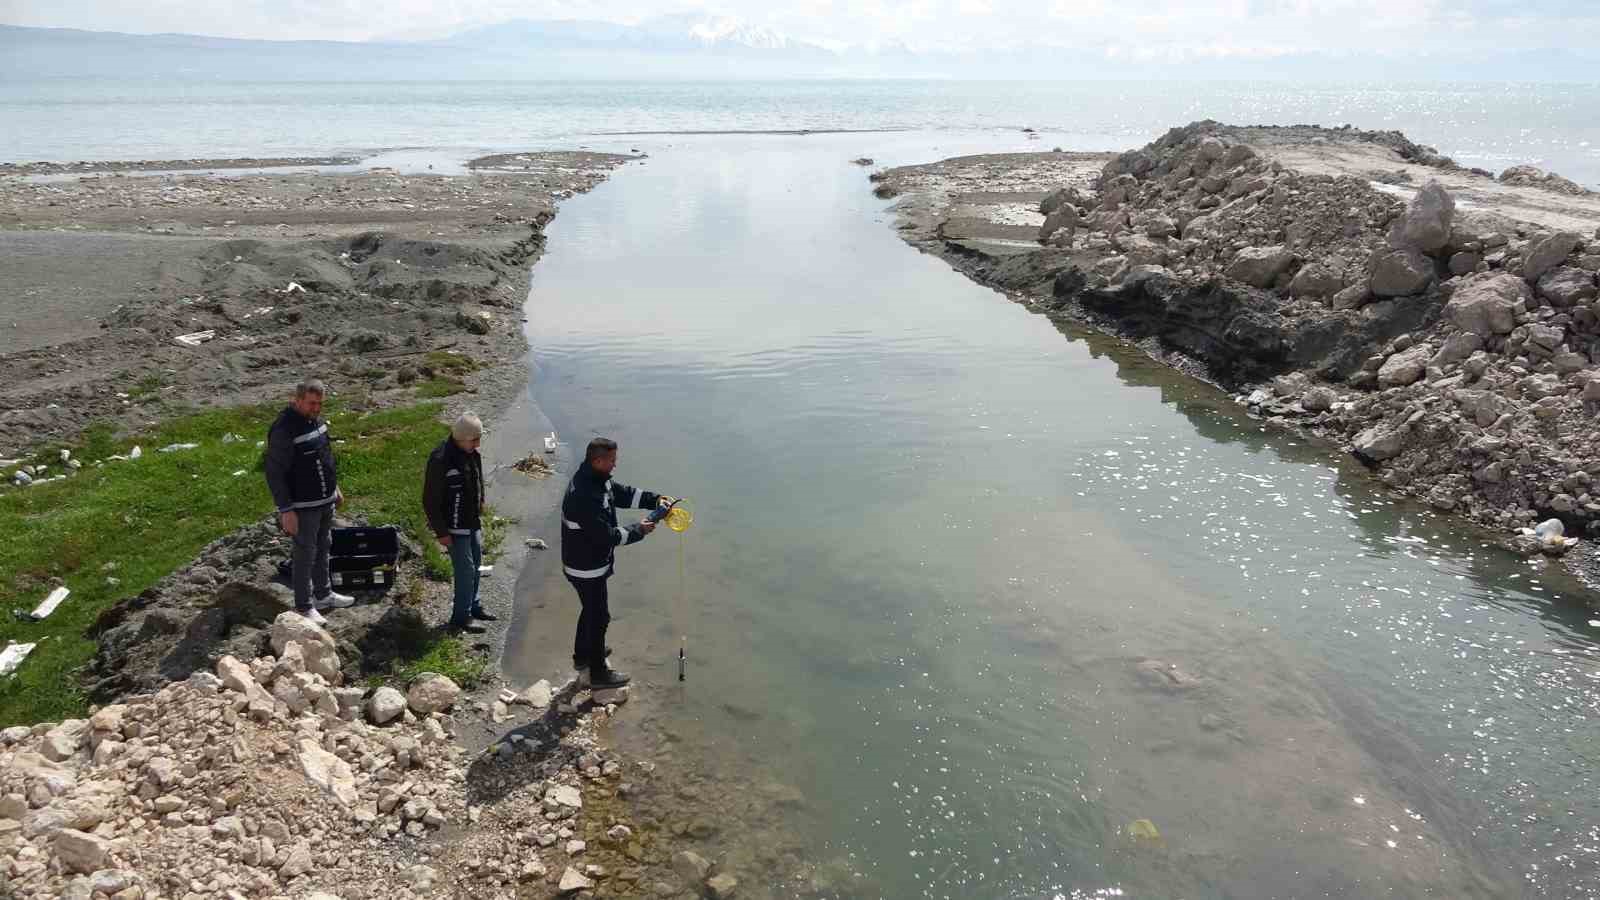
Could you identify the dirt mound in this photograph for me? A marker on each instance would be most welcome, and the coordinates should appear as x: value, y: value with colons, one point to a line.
x: 1456, y: 352
x: 224, y: 604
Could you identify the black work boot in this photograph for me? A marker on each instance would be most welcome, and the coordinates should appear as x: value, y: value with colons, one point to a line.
x: 607, y: 679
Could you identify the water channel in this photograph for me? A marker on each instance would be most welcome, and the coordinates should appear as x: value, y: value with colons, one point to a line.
x: 969, y: 593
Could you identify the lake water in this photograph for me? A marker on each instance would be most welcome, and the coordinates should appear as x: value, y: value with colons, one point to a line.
x: 1492, y: 125
x: 988, y: 592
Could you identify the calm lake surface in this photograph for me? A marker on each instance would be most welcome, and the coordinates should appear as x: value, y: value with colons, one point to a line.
x: 1490, y: 124
x: 987, y: 592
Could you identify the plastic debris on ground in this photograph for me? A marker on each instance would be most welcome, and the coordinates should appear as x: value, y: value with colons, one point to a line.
x: 50, y: 603
x: 13, y: 655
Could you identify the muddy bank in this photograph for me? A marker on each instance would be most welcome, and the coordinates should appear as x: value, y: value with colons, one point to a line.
x: 170, y: 165
x: 358, y: 278
x: 1438, y: 322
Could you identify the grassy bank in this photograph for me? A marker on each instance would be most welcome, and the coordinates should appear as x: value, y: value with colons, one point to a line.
x: 113, y: 530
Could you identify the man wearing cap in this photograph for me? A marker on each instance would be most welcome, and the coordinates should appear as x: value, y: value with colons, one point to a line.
x: 452, y: 497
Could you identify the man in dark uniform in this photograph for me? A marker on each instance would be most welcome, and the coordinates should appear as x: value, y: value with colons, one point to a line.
x: 589, y: 538
x: 304, y: 485
x: 452, y: 497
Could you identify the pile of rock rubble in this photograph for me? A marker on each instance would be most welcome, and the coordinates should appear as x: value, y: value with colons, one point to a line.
x: 273, y: 778
x: 1455, y: 352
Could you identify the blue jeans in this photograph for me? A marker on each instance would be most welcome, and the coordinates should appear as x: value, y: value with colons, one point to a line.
x: 466, y: 555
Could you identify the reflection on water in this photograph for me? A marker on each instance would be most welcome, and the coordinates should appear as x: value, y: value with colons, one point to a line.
x: 965, y: 599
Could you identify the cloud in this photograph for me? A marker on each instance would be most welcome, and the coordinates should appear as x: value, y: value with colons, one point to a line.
x: 1129, y: 29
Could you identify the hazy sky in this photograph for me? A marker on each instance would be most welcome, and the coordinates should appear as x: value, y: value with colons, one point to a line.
x: 1137, y: 28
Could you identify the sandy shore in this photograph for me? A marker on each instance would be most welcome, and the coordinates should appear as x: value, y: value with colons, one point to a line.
x: 1325, y: 336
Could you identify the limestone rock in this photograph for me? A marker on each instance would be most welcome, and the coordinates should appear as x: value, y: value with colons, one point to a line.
x: 722, y: 887
x: 1405, y: 367
x: 385, y: 704
x: 328, y: 772
x: 62, y: 742
x: 564, y: 795
x: 1549, y: 253
x: 1379, y: 443
x: 108, y: 719
x: 432, y: 693
x: 1353, y: 297
x: 1318, y: 399
x: 1457, y: 348
x: 1566, y: 286
x: 1317, y: 280
x: 1487, y: 304
x: 80, y: 851
x: 572, y: 881
x: 1400, y: 272
x: 1260, y: 266
x: 291, y: 626
x: 321, y: 659
x: 1425, y: 225
x: 299, y: 861
x: 1464, y: 262
x: 538, y: 695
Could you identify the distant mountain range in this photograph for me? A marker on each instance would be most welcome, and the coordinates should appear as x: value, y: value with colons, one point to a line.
x: 694, y: 47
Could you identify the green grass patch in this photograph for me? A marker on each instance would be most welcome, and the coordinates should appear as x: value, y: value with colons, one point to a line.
x: 147, y: 387
x: 443, y: 363
x: 139, y: 520
x: 450, y: 657
x: 434, y: 388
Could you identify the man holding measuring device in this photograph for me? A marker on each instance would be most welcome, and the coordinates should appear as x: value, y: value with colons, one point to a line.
x: 589, y: 538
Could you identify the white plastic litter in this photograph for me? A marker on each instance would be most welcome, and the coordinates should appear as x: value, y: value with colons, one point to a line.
x: 50, y: 603
x: 294, y: 286
x: 550, y: 442
x: 135, y: 453
x: 485, y: 570
x: 195, y: 338
x: 13, y: 655
x: 172, y: 448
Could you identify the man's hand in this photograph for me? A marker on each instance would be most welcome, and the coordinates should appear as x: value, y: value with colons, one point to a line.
x: 338, y: 497
x: 646, y: 526
x: 444, y: 541
x: 289, y: 521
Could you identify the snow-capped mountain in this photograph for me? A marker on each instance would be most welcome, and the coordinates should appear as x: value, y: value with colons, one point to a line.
x: 666, y: 34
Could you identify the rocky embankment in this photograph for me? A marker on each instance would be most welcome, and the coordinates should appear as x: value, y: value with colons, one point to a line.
x: 1451, y: 346
x: 276, y: 778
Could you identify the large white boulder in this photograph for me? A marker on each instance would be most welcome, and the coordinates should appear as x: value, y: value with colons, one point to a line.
x: 1487, y: 304
x: 432, y: 693
x: 291, y: 626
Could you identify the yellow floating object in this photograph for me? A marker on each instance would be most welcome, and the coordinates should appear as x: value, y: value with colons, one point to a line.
x: 1143, y: 831
x: 680, y: 518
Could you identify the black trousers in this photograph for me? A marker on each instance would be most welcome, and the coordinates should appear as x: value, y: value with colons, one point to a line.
x: 589, y: 645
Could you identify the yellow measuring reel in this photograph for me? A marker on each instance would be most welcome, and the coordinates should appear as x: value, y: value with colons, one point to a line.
x: 680, y: 517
